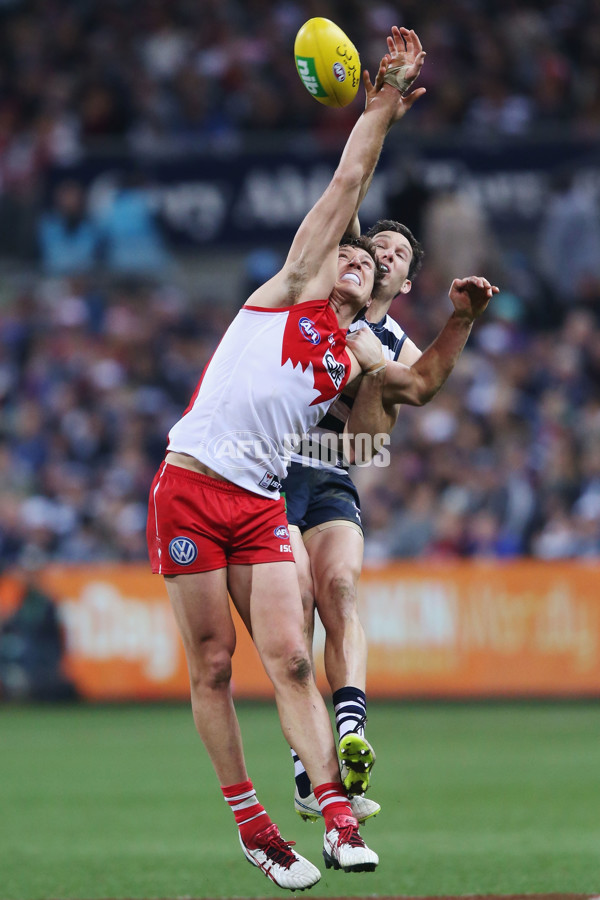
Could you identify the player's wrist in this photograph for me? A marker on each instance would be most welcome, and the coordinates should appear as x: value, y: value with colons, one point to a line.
x: 376, y: 367
x: 465, y: 316
x: 398, y: 78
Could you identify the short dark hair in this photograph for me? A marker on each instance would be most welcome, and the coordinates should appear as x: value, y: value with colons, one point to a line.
x: 365, y: 243
x: 417, y: 249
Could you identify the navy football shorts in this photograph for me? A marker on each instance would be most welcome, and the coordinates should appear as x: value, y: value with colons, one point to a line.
x: 315, y: 496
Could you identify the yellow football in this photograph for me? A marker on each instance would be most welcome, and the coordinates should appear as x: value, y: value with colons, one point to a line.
x: 328, y: 62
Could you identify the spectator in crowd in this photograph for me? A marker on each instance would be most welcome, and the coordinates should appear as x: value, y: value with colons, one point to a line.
x: 32, y: 644
x: 458, y: 237
x: 568, y: 245
x: 69, y: 239
x: 132, y: 239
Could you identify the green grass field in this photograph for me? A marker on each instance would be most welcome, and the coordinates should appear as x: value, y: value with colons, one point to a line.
x: 122, y: 803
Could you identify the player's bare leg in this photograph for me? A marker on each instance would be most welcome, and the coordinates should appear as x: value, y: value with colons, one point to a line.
x: 267, y: 596
x: 268, y: 599
x: 305, y: 802
x: 336, y: 553
x: 305, y: 583
x: 201, y: 606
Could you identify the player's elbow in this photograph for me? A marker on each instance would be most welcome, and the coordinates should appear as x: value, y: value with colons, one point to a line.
x: 421, y: 398
x: 422, y: 388
x: 423, y: 394
x: 415, y: 393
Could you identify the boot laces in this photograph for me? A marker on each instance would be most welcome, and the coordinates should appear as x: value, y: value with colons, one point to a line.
x: 349, y: 835
x: 360, y: 725
x: 278, y: 850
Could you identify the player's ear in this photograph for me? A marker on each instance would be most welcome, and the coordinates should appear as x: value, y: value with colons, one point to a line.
x: 406, y: 286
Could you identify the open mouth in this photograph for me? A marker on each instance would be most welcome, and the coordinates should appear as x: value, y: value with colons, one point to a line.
x: 384, y: 268
x: 351, y: 276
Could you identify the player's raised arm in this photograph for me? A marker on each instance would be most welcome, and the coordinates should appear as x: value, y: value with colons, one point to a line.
x: 310, y: 269
x: 406, y: 58
x: 397, y: 70
x: 419, y: 383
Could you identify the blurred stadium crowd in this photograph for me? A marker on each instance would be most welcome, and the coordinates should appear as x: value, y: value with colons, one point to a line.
x: 77, y: 71
x: 96, y: 366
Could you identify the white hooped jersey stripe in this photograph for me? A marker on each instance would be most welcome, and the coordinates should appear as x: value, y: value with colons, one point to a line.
x: 391, y: 336
x: 330, y: 428
x: 272, y: 377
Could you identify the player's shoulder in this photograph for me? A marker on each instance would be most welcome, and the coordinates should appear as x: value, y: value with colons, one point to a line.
x: 392, y: 326
x: 391, y: 335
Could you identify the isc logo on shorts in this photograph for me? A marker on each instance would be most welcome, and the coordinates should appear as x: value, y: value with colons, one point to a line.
x: 183, y: 551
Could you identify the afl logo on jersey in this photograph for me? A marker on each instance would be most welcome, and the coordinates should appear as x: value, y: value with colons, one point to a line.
x: 281, y: 532
x: 309, y: 331
x: 183, y: 551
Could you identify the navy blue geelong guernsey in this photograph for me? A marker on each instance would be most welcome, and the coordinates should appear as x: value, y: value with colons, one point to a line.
x: 392, y: 339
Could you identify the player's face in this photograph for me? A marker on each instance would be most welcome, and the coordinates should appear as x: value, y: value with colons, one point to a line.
x: 395, y: 256
x: 356, y: 274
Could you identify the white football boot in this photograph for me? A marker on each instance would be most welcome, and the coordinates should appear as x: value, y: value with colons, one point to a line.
x: 276, y: 859
x: 343, y: 847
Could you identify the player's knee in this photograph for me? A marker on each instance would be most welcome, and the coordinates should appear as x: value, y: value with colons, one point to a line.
x: 212, y: 671
x: 299, y: 668
x: 290, y: 664
x: 342, y: 589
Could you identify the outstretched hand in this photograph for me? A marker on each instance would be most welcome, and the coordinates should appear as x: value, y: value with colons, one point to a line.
x: 470, y: 296
x: 366, y: 348
x: 400, y: 67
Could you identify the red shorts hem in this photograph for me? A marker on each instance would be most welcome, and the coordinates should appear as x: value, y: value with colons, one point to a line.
x: 200, y: 524
x: 197, y: 570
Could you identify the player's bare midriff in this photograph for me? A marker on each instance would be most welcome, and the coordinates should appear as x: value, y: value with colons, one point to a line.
x: 189, y: 462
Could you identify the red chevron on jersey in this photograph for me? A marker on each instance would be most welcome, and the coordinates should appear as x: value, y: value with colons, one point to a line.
x: 272, y: 378
x: 312, y: 337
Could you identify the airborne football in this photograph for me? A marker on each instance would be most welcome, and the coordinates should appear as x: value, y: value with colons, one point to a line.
x: 327, y: 62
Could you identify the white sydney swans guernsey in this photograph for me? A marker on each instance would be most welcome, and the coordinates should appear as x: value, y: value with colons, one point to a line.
x: 273, y: 376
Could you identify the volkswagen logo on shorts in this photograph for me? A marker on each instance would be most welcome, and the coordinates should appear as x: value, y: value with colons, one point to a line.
x: 241, y: 450
x: 309, y: 331
x: 183, y: 551
x: 281, y: 532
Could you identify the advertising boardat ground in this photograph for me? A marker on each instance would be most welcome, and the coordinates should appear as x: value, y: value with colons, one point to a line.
x: 520, y: 629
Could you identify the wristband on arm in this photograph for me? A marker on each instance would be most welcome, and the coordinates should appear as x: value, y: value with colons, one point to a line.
x: 396, y: 76
x: 377, y: 367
